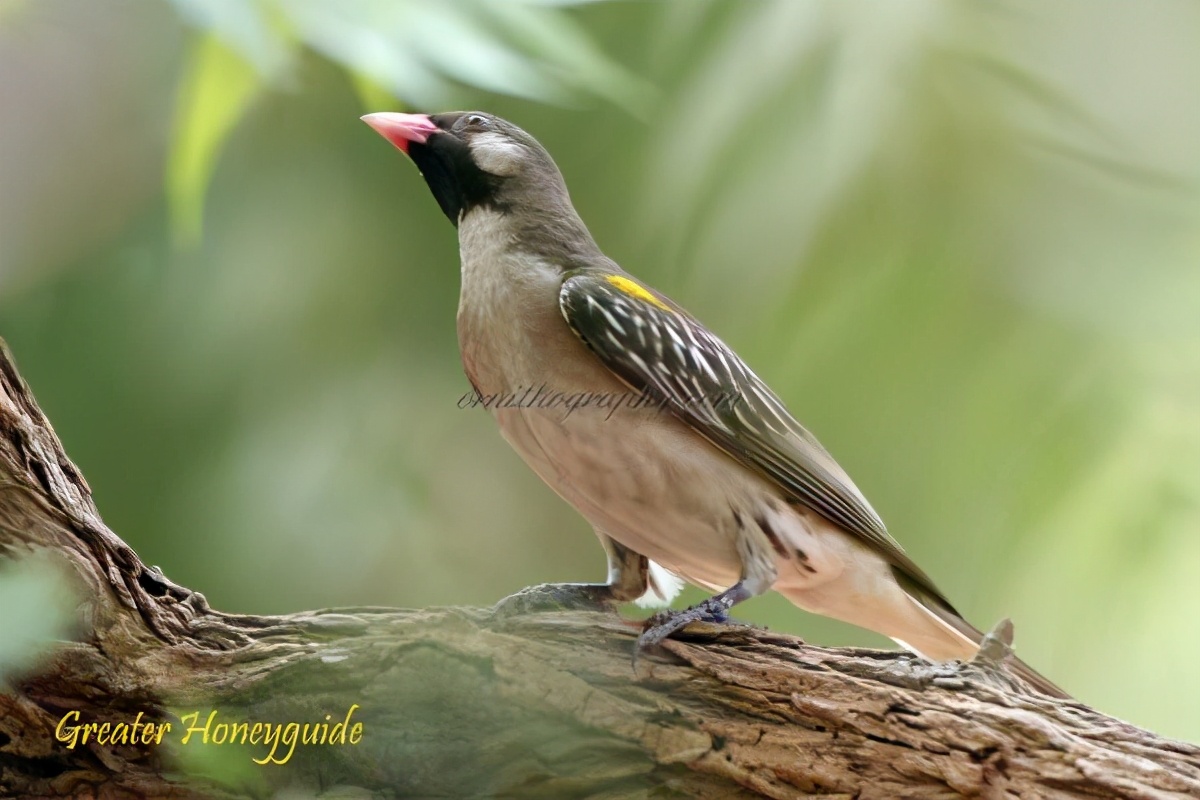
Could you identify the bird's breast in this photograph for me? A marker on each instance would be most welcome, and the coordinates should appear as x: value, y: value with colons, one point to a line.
x: 625, y: 463
x: 622, y: 460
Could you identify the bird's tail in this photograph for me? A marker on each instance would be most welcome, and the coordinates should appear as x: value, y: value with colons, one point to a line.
x: 947, y: 635
x: 919, y: 620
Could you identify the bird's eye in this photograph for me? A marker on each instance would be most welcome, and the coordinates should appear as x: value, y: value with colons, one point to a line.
x: 478, y: 120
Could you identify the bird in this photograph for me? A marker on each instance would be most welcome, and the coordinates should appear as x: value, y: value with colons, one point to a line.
x: 682, y: 459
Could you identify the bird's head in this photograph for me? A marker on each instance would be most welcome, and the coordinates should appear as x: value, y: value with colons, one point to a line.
x: 471, y: 159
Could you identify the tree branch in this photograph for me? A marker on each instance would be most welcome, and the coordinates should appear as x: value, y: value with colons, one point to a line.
x: 458, y: 702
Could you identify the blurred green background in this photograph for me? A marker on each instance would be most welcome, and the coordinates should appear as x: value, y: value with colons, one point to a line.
x: 961, y: 239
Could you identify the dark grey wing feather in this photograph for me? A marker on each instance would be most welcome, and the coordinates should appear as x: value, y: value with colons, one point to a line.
x: 654, y: 346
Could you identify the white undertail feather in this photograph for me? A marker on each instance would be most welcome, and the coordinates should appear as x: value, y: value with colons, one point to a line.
x: 664, y: 587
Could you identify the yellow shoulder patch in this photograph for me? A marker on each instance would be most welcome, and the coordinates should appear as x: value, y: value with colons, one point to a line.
x: 634, y: 289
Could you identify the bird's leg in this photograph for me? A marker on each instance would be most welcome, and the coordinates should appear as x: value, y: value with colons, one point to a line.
x: 714, y: 609
x: 628, y: 579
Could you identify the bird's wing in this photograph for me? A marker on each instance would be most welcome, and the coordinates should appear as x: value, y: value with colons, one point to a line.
x: 655, y: 347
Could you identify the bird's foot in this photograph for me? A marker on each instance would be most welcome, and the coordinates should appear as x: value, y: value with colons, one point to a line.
x: 714, y: 609
x: 548, y: 597
x: 664, y: 623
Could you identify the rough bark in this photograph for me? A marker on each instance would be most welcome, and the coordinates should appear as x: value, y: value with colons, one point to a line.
x: 459, y: 702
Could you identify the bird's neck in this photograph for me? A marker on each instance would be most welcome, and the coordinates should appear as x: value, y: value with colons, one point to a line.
x: 509, y: 297
x: 558, y: 235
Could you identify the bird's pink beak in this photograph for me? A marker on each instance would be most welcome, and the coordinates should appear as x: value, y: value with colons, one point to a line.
x: 401, y: 129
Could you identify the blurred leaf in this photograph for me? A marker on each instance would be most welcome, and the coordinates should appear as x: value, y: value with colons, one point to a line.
x: 371, y: 39
x: 1029, y: 93
x: 557, y: 40
x: 413, y: 46
x: 216, y: 89
x: 37, y: 604
x: 244, y: 25
x: 452, y: 38
x: 228, y: 764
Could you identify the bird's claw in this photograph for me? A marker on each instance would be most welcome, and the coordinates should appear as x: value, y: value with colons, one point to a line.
x: 660, y: 626
x: 714, y: 609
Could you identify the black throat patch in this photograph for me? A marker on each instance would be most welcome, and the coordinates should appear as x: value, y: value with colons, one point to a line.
x: 457, y: 183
